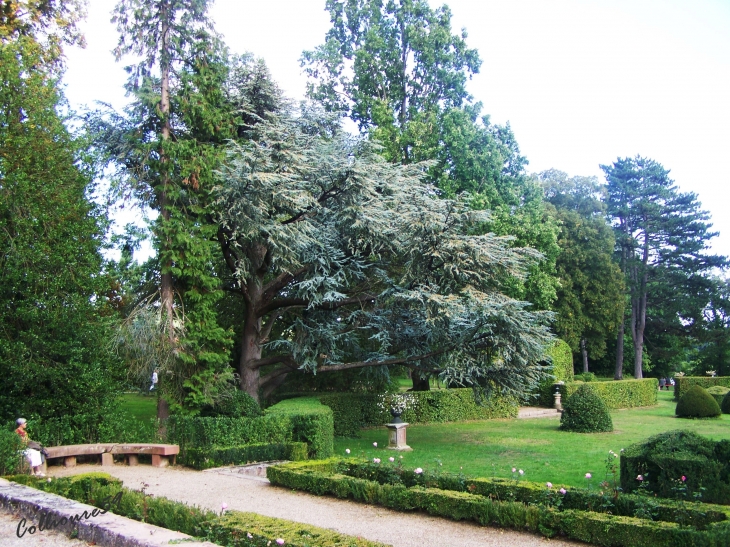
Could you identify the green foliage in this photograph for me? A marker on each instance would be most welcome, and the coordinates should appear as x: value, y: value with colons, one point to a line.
x: 110, y: 425
x: 590, y: 299
x: 363, y: 268
x: 206, y: 458
x: 10, y: 457
x: 620, y: 393
x: 300, y: 420
x: 560, y: 367
x: 682, y: 384
x: 664, y: 459
x: 353, y: 411
x: 662, y: 236
x: 585, y: 377
x: 585, y: 412
x: 697, y: 403
x: 725, y: 406
x: 232, y: 528
x: 239, y: 405
x: 54, y: 325
x: 718, y: 393
x: 512, y: 504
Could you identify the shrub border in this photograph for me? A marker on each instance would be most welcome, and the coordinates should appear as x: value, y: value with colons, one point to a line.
x: 683, y: 383
x: 232, y: 528
x: 597, y: 528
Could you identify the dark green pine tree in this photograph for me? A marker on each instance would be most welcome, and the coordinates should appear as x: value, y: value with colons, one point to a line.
x: 167, y: 156
x: 662, y: 238
x: 54, y: 324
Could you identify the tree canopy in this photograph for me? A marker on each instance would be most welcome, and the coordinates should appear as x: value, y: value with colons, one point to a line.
x: 343, y: 260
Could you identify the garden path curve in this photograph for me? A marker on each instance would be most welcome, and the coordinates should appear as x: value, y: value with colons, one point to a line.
x: 209, y: 489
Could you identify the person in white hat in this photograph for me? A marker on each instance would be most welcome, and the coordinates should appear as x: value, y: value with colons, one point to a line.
x: 33, y: 455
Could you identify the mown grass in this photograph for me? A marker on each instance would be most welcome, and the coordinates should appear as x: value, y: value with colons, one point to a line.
x: 142, y: 407
x: 491, y: 448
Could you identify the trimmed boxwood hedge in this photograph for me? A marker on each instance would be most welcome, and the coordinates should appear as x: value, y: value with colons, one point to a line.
x: 549, y: 513
x: 294, y: 420
x: 620, y: 393
x: 683, y: 383
x: 206, y: 458
x: 718, y: 393
x: 232, y: 528
x: 697, y: 403
x: 663, y: 459
x: 561, y: 368
x: 585, y: 412
x: 725, y: 406
x: 353, y: 411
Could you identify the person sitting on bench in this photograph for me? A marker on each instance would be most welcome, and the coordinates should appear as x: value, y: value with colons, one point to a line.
x: 33, y: 450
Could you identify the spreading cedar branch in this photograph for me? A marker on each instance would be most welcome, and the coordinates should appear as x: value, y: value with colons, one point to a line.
x: 343, y: 260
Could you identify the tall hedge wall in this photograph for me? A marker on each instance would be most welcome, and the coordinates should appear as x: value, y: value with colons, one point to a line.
x: 620, y: 393
x: 683, y: 383
x: 294, y: 420
x: 562, y: 370
x: 353, y: 411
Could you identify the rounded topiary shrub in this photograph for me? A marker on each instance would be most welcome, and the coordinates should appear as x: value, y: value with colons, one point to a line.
x: 697, y: 403
x: 240, y: 405
x: 725, y: 406
x: 585, y: 412
x: 718, y: 393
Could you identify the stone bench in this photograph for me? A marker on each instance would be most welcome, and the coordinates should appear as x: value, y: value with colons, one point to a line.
x: 162, y: 454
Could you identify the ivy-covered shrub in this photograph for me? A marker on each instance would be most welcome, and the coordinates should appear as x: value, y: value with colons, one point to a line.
x: 561, y: 368
x: 294, y: 420
x: 206, y: 458
x: 353, y: 411
x: 10, y: 457
x: 240, y: 405
x: 620, y: 393
x: 233, y: 528
x: 697, y: 403
x: 725, y: 406
x: 683, y: 383
x: 585, y: 412
x: 662, y: 460
x: 718, y: 393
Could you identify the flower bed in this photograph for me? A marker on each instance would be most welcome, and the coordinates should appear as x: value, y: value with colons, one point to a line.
x: 602, y: 516
x: 230, y: 528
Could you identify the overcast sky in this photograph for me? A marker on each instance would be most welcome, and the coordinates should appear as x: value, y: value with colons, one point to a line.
x: 581, y: 82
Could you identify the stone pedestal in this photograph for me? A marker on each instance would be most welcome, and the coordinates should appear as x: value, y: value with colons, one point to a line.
x: 397, y: 437
x: 558, y: 405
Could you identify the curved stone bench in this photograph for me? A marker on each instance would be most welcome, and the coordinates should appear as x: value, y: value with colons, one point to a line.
x: 162, y: 454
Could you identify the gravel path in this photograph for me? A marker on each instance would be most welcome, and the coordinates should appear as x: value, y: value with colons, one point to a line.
x: 209, y: 489
x: 46, y: 538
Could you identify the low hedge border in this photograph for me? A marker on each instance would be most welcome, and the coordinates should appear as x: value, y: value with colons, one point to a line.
x: 206, y: 458
x: 545, y: 515
x: 293, y: 420
x: 233, y: 528
x: 619, y: 393
x: 353, y: 411
x: 683, y: 383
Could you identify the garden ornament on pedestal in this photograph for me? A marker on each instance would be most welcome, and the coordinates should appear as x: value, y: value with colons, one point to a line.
x: 397, y: 436
x: 558, y: 405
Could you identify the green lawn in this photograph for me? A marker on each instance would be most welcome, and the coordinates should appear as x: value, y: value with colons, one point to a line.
x: 493, y: 447
x: 142, y: 407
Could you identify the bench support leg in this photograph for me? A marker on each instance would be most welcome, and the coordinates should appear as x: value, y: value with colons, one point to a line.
x: 69, y: 461
x: 159, y: 461
x: 132, y: 459
x: 107, y: 459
